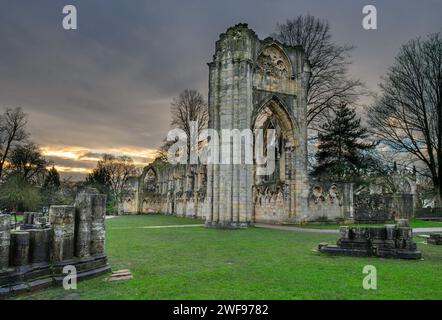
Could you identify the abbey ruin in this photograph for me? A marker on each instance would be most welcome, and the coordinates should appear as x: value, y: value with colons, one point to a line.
x: 253, y: 84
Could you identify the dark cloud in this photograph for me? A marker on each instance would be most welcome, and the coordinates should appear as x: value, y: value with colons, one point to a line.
x: 109, y: 84
x: 71, y: 163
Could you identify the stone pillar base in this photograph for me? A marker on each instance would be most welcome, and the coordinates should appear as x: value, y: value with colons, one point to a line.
x: 42, y: 275
x: 86, y: 267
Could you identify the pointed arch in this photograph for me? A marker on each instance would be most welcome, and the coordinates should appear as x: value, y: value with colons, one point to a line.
x: 277, y: 107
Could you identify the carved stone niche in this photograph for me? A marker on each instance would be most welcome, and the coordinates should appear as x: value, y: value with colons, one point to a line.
x: 317, y: 194
x: 333, y: 194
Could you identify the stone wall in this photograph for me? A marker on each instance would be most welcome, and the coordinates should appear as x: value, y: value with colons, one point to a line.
x: 169, y: 189
x: 247, y: 77
x: 330, y: 201
x: 35, y: 256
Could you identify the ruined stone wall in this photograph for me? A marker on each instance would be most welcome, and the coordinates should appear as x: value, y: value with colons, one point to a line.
x: 330, y: 201
x: 246, y: 76
x: 249, y: 80
x: 271, y: 203
x: 171, y: 189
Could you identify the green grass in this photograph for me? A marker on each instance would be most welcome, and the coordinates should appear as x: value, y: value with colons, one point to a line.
x: 150, y: 220
x: 253, y: 263
x: 19, y: 218
x: 414, y: 223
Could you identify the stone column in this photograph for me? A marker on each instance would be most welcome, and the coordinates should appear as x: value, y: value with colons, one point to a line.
x: 19, y: 248
x: 300, y: 155
x: 5, y: 238
x: 62, y: 219
x: 230, y: 107
x: 97, y: 228
x: 39, y: 243
x: 83, y: 222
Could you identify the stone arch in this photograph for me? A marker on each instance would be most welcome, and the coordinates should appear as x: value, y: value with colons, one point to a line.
x: 272, y: 114
x: 150, y: 179
x: 278, y: 108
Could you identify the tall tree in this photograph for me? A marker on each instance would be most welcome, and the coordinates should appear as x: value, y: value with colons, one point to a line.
x: 342, y: 151
x: 329, y: 83
x: 12, y: 130
x: 187, y: 107
x: 116, y: 172
x: 408, y: 115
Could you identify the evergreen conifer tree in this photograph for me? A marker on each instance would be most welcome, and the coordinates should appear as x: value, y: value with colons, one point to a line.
x: 342, y: 153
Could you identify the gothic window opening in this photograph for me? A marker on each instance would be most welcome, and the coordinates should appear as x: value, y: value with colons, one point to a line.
x: 150, y: 181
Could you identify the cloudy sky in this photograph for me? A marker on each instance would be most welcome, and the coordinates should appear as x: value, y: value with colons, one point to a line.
x: 107, y: 86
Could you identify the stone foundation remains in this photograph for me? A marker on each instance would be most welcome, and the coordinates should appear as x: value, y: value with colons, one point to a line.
x: 34, y: 257
x: 390, y: 241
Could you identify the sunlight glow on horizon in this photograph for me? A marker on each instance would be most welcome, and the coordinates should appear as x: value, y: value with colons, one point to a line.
x: 83, y: 156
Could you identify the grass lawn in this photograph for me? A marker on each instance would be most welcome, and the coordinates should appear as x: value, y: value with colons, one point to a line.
x: 253, y: 263
x: 414, y: 223
x: 19, y: 218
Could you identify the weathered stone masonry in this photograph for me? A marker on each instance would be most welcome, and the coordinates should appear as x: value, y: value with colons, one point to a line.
x: 35, y: 256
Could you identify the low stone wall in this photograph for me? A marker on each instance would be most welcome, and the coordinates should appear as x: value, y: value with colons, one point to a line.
x: 35, y: 256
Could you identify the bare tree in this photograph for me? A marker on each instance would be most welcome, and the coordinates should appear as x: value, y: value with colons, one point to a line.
x: 329, y: 84
x: 187, y: 107
x: 118, y: 170
x: 12, y: 130
x: 408, y: 115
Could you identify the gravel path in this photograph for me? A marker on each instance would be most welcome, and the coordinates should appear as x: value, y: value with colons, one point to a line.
x: 292, y: 228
